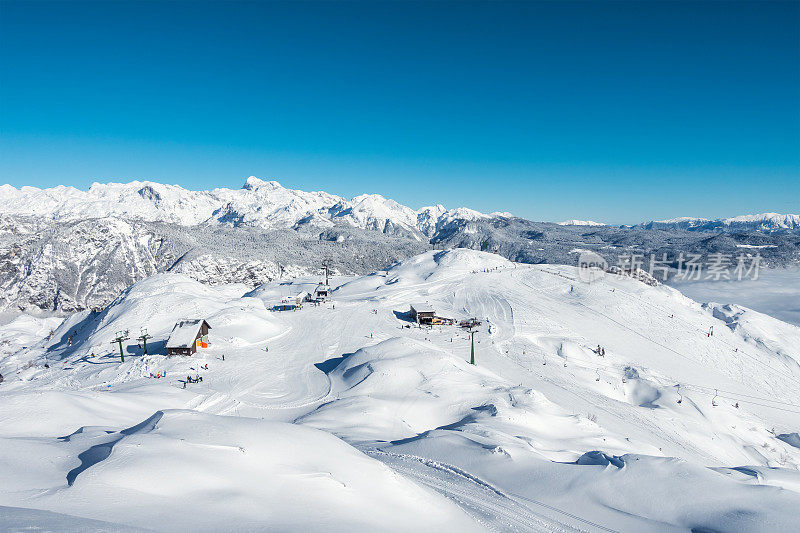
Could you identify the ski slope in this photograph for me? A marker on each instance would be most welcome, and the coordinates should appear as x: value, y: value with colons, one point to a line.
x: 339, y: 416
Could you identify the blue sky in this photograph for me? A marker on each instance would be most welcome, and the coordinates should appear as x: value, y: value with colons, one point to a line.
x: 612, y: 111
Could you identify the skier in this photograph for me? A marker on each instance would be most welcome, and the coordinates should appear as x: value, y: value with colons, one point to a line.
x: 223, y: 357
x: 598, y: 350
x: 603, y: 354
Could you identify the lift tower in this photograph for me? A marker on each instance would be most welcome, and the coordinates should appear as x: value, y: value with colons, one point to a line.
x: 143, y: 338
x: 121, y: 336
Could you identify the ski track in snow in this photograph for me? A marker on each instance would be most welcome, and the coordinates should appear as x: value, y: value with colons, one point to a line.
x: 493, y: 508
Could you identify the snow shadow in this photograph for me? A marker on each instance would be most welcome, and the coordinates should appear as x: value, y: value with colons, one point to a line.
x: 471, y: 418
x: 67, y: 438
x: 405, y: 316
x: 329, y: 365
x: 100, y: 452
x: 792, y: 439
x: 156, y: 347
x: 598, y: 458
x: 79, y: 332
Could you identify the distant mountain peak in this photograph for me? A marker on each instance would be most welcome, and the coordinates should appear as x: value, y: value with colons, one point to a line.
x: 252, y: 183
x: 768, y: 222
x: 580, y: 223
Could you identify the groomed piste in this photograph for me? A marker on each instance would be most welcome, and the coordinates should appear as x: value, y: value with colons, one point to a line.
x: 593, y: 406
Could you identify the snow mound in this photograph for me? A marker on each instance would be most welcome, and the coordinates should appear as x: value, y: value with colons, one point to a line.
x: 428, y: 267
x: 247, y: 473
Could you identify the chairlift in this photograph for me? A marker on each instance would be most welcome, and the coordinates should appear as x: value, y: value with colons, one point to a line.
x: 714, y: 399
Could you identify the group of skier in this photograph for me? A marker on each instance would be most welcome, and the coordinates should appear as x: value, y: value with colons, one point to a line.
x: 600, y: 351
x: 196, y: 379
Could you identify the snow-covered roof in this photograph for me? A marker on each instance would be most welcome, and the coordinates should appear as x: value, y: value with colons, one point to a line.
x: 423, y: 308
x: 321, y: 287
x: 184, y: 333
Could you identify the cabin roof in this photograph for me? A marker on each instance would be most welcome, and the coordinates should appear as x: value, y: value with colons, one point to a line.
x: 185, y: 332
x: 422, y: 307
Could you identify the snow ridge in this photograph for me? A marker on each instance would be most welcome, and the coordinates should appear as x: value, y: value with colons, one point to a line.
x: 766, y: 222
x: 259, y: 203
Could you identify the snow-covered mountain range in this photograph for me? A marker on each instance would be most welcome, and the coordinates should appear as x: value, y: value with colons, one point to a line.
x: 580, y: 223
x: 767, y: 222
x: 65, y: 249
x: 259, y: 203
x: 267, y: 204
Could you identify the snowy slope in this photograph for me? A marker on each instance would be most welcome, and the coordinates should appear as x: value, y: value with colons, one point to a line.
x: 542, y: 434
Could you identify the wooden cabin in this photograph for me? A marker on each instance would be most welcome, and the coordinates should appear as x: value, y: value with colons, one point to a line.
x: 187, y: 336
x: 422, y: 313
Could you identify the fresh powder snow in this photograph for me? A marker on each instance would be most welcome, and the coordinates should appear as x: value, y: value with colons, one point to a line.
x: 602, y: 406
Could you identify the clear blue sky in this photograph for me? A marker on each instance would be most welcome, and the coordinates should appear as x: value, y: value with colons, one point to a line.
x: 612, y: 111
